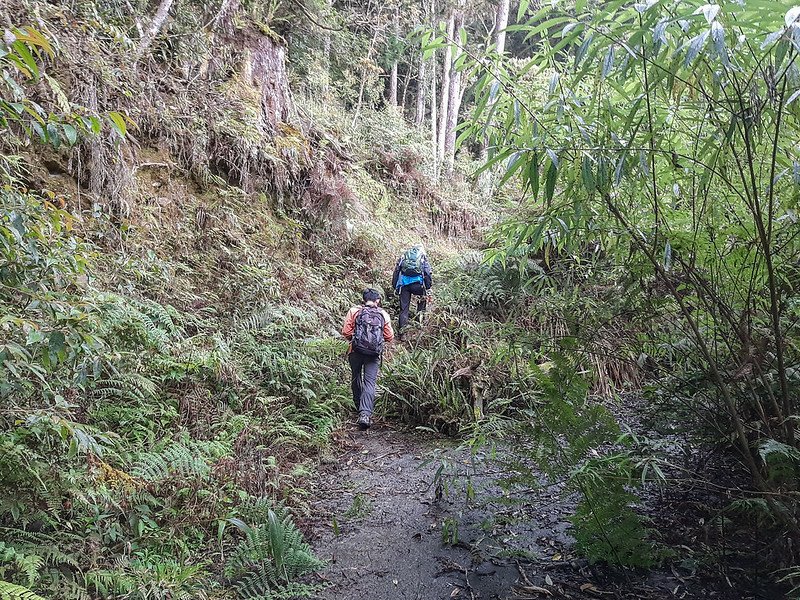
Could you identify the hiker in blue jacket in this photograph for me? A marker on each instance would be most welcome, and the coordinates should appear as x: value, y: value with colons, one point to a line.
x: 412, y: 277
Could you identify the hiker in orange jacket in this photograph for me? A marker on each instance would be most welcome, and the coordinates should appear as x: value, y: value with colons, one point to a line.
x: 368, y: 328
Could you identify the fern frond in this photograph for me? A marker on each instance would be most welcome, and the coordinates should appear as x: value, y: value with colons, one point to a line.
x: 111, y: 583
x: 9, y: 591
x: 271, y: 555
x: 156, y: 466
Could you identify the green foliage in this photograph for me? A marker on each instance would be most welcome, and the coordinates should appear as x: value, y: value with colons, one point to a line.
x: 648, y: 141
x: 119, y: 430
x: 608, y: 529
x: 9, y: 591
x: 23, y: 117
x: 270, y: 557
x: 360, y: 508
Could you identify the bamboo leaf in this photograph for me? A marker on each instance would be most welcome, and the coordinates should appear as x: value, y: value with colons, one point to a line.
x: 772, y: 38
x: 22, y: 51
x: 586, y: 174
x: 792, y: 15
x: 550, y: 182
x: 523, y: 8
x: 118, y: 123
x: 709, y: 11
x: 608, y: 62
x: 532, y: 173
x: 695, y: 46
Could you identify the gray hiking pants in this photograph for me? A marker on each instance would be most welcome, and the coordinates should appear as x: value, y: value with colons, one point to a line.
x: 363, y: 380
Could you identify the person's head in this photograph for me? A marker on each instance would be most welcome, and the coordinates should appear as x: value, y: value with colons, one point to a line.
x: 371, y: 295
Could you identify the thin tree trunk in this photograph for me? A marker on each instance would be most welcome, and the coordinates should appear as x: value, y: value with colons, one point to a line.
x: 501, y: 23
x: 363, y: 80
x: 445, y: 94
x: 404, y: 95
x: 422, y: 88
x: 327, y: 49
x: 454, y: 102
x: 434, y: 116
x: 393, y: 73
x: 155, y: 26
x: 434, y: 121
x: 393, y: 85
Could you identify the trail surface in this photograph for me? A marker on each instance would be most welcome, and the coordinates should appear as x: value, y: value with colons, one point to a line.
x: 389, y: 529
x: 380, y: 524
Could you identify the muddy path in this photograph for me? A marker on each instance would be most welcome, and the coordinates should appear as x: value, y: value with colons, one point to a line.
x: 390, y: 529
x: 380, y: 524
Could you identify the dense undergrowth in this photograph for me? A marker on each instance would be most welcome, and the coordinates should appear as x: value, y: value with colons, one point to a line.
x: 181, y: 233
x: 170, y: 292
x: 654, y: 246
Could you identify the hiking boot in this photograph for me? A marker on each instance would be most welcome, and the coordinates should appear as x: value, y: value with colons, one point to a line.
x: 364, y: 421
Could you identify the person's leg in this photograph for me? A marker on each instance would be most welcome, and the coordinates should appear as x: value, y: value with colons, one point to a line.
x: 405, y: 304
x: 356, y: 363
x: 422, y: 306
x: 419, y: 290
x: 371, y: 366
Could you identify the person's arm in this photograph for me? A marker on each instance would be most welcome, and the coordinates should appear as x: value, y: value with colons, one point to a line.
x: 427, y: 274
x: 396, y: 274
x: 388, y: 332
x: 349, y: 326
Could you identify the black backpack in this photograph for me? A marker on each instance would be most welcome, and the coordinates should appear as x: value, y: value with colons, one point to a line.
x: 368, y: 334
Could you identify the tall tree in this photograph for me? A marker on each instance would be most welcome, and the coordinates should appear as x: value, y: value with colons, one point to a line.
x: 434, y: 115
x: 155, y: 26
x: 422, y: 87
x: 445, y: 89
x: 454, y: 92
x: 393, y: 49
x: 501, y: 24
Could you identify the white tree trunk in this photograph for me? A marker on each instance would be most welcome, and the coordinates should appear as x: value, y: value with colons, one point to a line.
x: 445, y: 95
x: 393, y: 73
x: 453, y: 102
x: 152, y: 31
x: 434, y: 121
x: 393, y: 85
x: 501, y: 24
x: 422, y: 88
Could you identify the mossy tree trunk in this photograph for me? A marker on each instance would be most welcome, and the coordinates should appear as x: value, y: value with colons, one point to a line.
x: 265, y: 67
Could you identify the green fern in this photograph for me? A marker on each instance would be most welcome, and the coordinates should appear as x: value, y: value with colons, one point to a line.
x: 129, y: 386
x: 9, y: 591
x: 110, y: 583
x: 175, y: 459
x: 270, y: 557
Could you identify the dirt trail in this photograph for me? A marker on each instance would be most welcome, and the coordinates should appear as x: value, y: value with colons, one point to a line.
x: 382, y: 529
